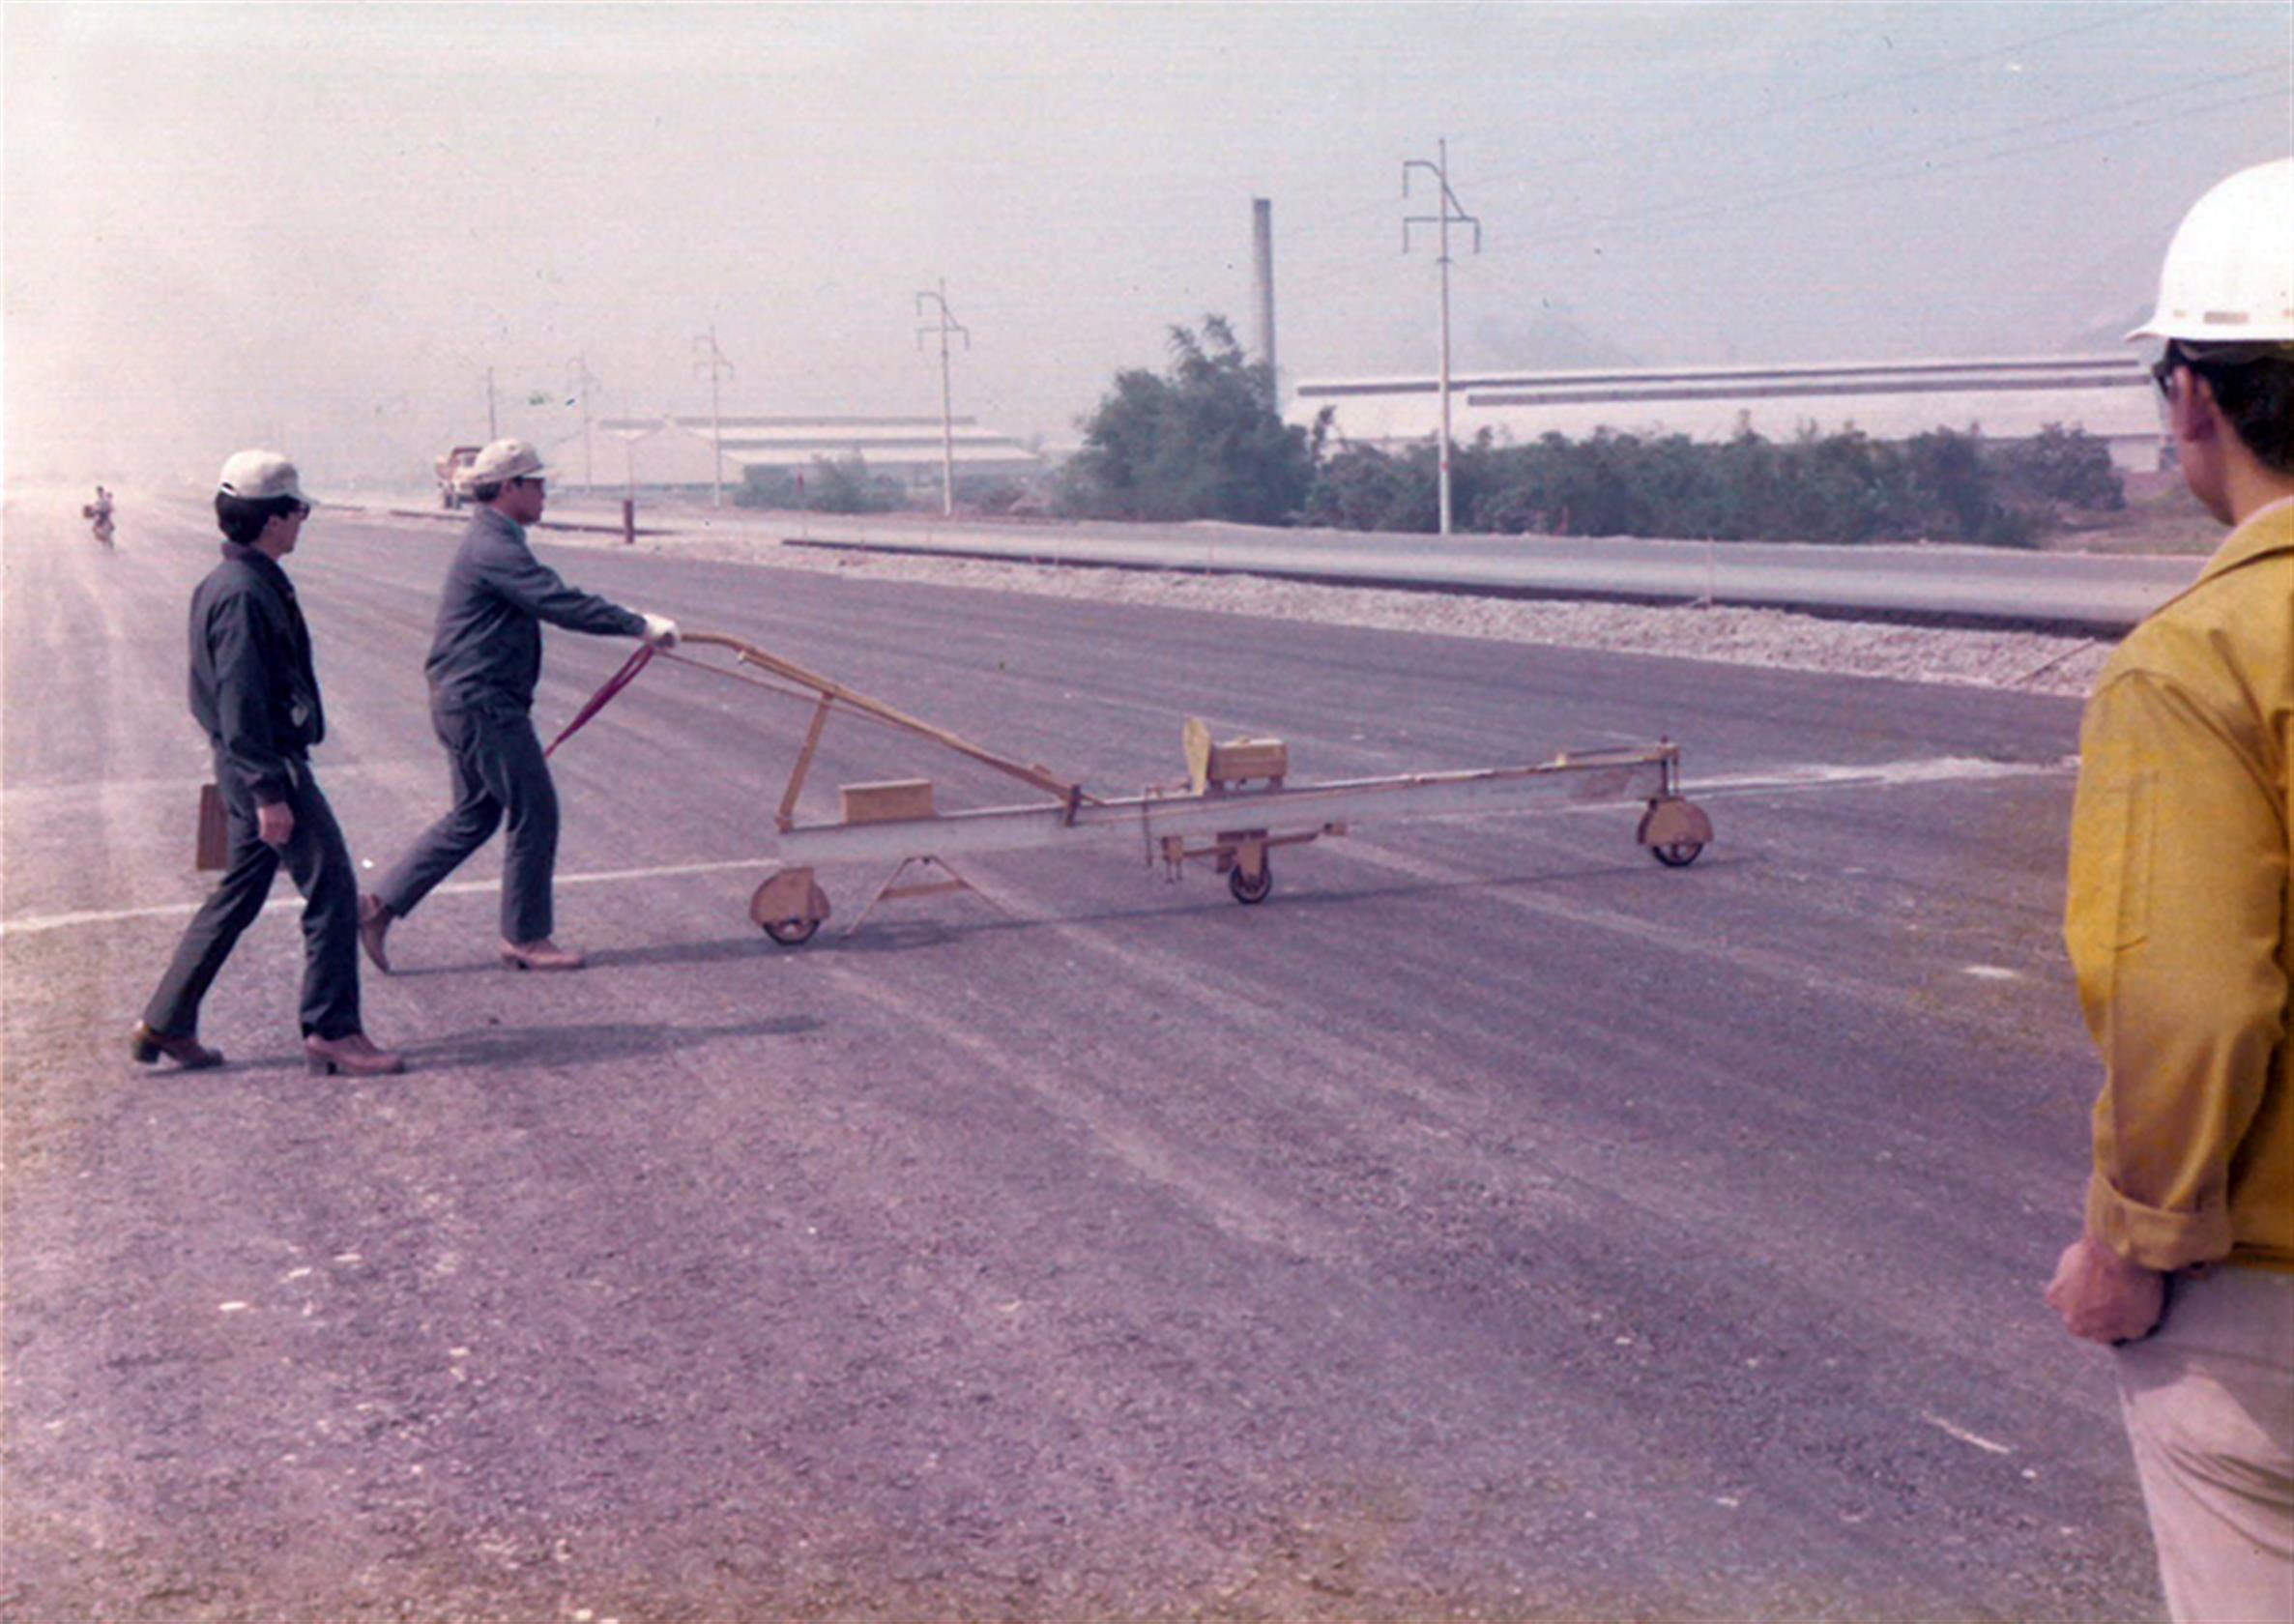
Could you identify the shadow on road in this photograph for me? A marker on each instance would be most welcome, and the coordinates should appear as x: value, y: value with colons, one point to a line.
x: 551, y: 1046
x: 721, y: 950
x: 883, y: 935
x: 527, y: 1046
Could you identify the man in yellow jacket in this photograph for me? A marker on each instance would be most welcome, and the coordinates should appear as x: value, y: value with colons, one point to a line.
x: 2180, y: 928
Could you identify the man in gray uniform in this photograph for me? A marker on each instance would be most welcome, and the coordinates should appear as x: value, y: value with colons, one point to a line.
x: 254, y: 691
x: 483, y: 664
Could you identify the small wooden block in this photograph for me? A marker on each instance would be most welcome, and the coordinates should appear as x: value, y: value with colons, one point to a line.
x: 888, y: 801
x: 1239, y: 759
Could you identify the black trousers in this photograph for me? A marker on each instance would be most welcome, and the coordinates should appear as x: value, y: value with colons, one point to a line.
x: 499, y: 775
x: 320, y: 863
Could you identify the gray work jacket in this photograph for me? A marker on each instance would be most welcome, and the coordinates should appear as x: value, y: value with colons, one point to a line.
x: 253, y: 687
x: 487, y: 652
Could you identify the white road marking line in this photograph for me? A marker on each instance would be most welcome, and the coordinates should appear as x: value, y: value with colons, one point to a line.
x: 1964, y: 1436
x: 1991, y: 973
x: 1942, y: 769
x: 39, y: 923
x: 1787, y: 780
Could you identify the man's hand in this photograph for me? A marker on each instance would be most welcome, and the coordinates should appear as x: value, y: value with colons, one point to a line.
x: 661, y: 631
x: 2103, y: 1297
x: 275, y: 823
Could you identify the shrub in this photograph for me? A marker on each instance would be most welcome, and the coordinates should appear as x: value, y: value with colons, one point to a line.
x: 1200, y: 442
x: 1843, y: 487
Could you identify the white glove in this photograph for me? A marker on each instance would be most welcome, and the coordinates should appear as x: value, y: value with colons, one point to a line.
x: 661, y: 631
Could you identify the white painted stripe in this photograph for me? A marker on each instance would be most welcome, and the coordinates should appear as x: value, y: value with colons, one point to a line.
x: 466, y: 888
x: 1966, y: 1436
x: 1942, y: 769
x: 1784, y: 780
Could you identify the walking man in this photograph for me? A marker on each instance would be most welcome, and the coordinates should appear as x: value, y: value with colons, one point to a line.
x: 483, y: 664
x: 254, y: 690
x: 2181, y: 929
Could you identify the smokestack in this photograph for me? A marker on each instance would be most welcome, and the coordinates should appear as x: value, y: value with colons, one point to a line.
x: 1262, y: 272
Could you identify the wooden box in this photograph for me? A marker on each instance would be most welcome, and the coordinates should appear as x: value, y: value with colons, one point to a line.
x: 888, y: 802
x: 1231, y: 763
x: 1240, y: 759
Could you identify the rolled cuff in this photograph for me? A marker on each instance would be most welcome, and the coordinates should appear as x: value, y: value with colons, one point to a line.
x: 2152, y: 1236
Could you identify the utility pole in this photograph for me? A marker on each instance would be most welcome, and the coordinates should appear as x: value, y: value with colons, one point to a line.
x: 1453, y: 213
x: 1263, y: 276
x: 585, y: 381
x: 948, y: 422
x: 492, y: 434
x: 718, y: 368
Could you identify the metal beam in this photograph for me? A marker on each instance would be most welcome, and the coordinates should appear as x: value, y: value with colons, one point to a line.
x: 1617, y: 776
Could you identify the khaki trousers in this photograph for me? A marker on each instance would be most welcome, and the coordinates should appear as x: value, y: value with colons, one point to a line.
x: 2209, y: 1404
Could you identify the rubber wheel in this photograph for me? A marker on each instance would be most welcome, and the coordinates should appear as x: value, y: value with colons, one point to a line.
x: 1248, y: 890
x: 1679, y: 855
x: 792, y: 933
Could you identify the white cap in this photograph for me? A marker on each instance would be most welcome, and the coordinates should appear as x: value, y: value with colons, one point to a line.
x: 500, y: 463
x: 2229, y: 272
x: 258, y: 476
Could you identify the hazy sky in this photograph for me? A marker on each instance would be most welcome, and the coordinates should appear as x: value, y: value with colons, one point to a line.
x: 321, y: 225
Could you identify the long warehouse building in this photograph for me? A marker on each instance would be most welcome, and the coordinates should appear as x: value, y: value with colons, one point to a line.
x: 2108, y: 396
x: 680, y: 453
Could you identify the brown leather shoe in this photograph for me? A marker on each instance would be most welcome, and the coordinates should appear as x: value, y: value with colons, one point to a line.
x: 544, y: 954
x: 354, y: 1055
x: 146, y: 1046
x: 374, y: 923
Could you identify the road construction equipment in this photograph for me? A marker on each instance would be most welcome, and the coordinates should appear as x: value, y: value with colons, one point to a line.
x: 1238, y: 803
x: 448, y: 469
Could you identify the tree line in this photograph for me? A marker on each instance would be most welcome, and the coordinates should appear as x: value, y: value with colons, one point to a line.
x: 1202, y: 441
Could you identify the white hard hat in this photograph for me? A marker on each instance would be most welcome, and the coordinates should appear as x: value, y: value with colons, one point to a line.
x: 2229, y: 272
x: 257, y: 476
x: 500, y: 463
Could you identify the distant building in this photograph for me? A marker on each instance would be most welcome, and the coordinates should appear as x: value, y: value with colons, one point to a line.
x: 680, y: 453
x: 2109, y: 396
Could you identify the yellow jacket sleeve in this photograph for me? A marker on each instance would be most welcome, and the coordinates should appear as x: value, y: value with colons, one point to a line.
x: 2178, y: 872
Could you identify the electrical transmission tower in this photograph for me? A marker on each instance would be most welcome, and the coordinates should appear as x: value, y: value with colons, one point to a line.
x: 708, y: 356
x: 1453, y: 213
x: 948, y: 422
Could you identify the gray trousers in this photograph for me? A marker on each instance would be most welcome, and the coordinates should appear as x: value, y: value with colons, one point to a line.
x: 499, y: 775
x: 320, y: 863
x: 2209, y: 1402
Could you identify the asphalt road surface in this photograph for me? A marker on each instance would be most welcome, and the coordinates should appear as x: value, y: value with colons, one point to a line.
x: 1493, y: 1225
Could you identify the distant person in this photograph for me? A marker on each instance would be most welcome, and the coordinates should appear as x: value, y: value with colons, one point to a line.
x: 2181, y: 927
x: 484, y: 663
x: 254, y: 690
x: 99, y: 512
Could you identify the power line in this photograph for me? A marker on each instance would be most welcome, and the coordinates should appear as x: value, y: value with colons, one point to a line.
x: 1702, y: 130
x: 1880, y: 171
x: 1894, y: 169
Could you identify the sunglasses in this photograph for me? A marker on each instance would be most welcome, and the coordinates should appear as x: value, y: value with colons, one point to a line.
x: 2163, y: 369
